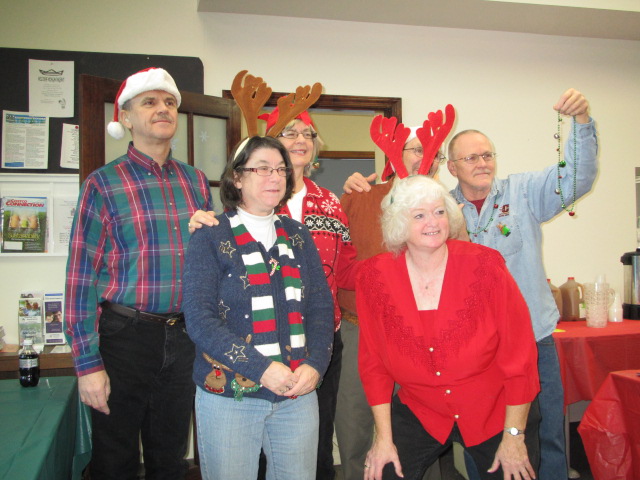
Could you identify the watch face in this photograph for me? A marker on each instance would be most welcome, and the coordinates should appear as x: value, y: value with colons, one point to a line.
x: 514, y: 431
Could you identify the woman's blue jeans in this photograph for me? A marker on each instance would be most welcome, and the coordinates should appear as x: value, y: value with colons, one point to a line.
x: 231, y: 434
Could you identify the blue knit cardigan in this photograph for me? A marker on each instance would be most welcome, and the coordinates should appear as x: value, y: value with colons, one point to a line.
x: 217, y: 307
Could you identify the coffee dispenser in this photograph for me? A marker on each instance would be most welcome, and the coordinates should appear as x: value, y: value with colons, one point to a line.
x: 631, y: 268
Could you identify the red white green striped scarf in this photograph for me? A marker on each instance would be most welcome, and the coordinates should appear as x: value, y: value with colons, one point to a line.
x: 262, y: 302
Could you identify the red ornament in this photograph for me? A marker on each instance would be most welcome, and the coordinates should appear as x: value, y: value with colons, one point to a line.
x: 571, y: 214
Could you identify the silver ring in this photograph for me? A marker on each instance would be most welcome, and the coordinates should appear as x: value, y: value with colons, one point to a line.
x: 366, y: 466
x: 189, y: 224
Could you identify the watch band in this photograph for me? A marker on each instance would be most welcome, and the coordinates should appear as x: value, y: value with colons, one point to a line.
x: 514, y: 431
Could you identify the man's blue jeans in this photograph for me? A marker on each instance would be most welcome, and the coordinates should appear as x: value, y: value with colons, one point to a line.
x: 553, y: 459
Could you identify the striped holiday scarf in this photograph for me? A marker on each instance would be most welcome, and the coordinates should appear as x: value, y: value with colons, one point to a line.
x: 262, y: 302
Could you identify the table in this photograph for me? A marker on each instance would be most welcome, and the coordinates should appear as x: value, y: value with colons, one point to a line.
x: 45, y: 434
x: 51, y: 364
x: 610, y: 428
x: 587, y: 355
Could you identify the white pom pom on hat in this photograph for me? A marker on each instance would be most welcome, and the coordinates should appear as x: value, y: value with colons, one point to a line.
x: 143, y: 81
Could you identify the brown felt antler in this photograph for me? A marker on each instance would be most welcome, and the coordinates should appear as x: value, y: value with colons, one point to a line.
x: 292, y: 105
x: 391, y: 140
x: 432, y: 134
x: 250, y: 97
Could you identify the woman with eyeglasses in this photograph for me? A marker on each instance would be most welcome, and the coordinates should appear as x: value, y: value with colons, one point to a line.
x: 321, y: 212
x: 258, y: 309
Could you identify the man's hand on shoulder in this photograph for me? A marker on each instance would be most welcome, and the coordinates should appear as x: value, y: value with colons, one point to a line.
x: 201, y: 218
x: 94, y: 390
x: 357, y: 182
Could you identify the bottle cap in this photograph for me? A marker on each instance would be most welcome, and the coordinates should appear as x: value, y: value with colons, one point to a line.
x: 27, y: 341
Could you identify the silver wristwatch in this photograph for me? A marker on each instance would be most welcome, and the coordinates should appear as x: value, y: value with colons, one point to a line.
x: 514, y: 431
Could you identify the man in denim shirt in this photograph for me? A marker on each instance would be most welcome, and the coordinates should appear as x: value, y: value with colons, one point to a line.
x: 506, y: 214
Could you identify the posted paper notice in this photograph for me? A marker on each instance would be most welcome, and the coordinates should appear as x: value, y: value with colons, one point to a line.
x: 51, y: 88
x: 25, y: 140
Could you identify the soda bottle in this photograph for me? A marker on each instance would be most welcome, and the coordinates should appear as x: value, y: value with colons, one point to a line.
x: 29, y: 364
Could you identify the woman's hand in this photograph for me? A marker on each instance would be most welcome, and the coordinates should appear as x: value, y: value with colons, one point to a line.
x: 308, y: 378
x: 278, y: 378
x: 358, y: 183
x: 382, y: 452
x: 512, y: 456
x: 201, y: 218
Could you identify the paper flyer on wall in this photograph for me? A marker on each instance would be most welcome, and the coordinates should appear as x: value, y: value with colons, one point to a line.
x: 30, y: 318
x: 51, y: 87
x: 70, y: 146
x: 25, y: 140
x: 53, y: 319
x: 64, y: 209
x: 24, y: 224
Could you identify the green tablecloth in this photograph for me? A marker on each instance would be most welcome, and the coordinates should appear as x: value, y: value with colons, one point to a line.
x: 44, y: 431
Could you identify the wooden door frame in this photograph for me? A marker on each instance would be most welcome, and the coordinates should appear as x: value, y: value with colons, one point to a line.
x: 387, y: 106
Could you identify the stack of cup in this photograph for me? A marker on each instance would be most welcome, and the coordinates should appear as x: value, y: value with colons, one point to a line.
x: 598, y: 297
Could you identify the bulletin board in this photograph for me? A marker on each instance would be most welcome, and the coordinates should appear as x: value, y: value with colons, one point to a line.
x: 188, y: 72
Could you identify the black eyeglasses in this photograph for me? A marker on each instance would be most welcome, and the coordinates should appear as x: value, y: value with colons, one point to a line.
x: 474, y: 157
x: 293, y: 134
x: 265, y: 171
x: 419, y: 152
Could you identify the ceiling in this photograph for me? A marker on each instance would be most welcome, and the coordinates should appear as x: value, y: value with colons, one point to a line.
x: 612, y: 19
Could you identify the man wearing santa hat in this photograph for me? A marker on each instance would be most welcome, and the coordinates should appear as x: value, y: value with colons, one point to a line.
x: 123, y: 300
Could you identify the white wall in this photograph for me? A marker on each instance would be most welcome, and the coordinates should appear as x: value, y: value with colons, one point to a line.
x: 502, y: 83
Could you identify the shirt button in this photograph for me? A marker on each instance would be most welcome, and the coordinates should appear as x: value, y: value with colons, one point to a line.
x: 431, y: 349
x: 175, y: 228
x: 447, y: 391
x: 438, y: 373
x: 456, y: 416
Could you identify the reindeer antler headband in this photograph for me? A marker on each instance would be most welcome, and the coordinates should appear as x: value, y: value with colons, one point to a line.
x: 252, y: 94
x: 391, y: 137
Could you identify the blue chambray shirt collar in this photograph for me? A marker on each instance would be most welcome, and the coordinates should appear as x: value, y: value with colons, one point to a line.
x: 497, y: 186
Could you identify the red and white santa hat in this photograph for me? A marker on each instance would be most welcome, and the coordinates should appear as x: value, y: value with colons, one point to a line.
x: 143, y: 81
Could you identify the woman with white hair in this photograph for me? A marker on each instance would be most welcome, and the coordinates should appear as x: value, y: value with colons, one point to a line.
x: 444, y: 320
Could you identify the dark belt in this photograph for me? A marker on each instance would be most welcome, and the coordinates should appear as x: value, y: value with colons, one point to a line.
x: 164, y: 318
x: 349, y: 316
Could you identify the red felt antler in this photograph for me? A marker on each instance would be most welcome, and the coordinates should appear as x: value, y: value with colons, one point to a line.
x: 432, y: 135
x: 391, y: 140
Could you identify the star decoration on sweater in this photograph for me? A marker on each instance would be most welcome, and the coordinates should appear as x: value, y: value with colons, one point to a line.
x: 236, y: 354
x: 245, y: 280
x: 223, y: 309
x: 297, y: 241
x: 225, y: 247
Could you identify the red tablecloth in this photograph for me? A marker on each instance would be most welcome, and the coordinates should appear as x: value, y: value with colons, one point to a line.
x: 587, y: 355
x: 610, y: 428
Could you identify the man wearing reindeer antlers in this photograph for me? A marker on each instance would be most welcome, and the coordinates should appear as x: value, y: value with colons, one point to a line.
x: 410, y: 151
x: 132, y: 355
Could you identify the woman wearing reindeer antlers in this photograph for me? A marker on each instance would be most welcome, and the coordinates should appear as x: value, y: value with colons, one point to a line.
x: 260, y: 312
x: 318, y: 209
